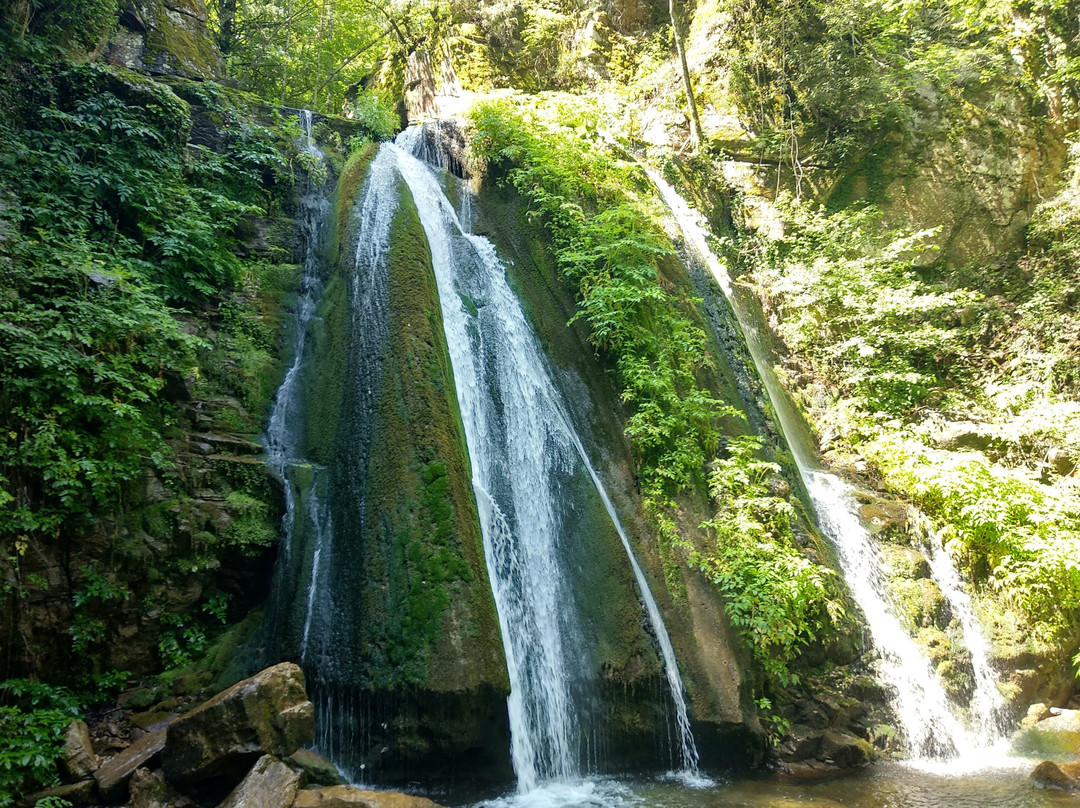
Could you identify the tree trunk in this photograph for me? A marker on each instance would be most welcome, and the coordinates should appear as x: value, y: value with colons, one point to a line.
x: 226, y: 26
x: 696, y: 135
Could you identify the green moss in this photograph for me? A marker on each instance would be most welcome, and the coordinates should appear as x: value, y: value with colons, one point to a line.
x: 432, y: 615
x: 345, y: 195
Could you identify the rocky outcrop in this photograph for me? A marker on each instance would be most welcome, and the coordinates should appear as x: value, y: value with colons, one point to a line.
x: 166, y: 37
x: 268, y: 713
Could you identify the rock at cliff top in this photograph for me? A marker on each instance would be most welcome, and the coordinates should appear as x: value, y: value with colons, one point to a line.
x: 166, y: 37
x: 269, y: 784
x: 113, y: 775
x: 79, y: 760
x: 266, y: 714
x: 349, y: 797
x: 1065, y: 776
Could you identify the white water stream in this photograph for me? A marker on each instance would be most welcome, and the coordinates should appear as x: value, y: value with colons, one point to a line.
x: 520, y: 438
x: 931, y: 724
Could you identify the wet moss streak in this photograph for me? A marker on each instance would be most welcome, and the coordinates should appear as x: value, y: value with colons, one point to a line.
x: 428, y: 599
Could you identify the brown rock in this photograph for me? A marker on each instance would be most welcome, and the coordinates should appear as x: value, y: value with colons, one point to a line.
x: 150, y: 790
x: 113, y: 775
x: 79, y: 760
x: 269, y: 784
x: 1065, y: 776
x: 266, y: 714
x: 349, y: 797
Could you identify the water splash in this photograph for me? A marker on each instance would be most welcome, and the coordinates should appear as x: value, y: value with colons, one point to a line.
x: 930, y: 724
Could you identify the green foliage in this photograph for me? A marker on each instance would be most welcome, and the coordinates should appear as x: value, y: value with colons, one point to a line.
x: 252, y: 528
x: 76, y: 24
x: 853, y: 303
x: 828, y: 80
x: 33, y: 716
x: 376, y: 115
x: 612, y: 254
x: 91, y: 600
x: 777, y: 599
x: 107, y: 218
x: 1019, y: 536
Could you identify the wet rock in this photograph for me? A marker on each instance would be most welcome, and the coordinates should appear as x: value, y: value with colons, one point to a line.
x: 113, y: 775
x: 269, y: 784
x: 150, y: 790
x: 314, y: 769
x: 844, y: 750
x: 880, y: 516
x: 1065, y: 776
x: 266, y: 714
x: 79, y: 760
x: 349, y: 797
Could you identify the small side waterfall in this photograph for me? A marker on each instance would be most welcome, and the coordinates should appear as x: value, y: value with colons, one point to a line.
x: 520, y: 441
x: 930, y: 723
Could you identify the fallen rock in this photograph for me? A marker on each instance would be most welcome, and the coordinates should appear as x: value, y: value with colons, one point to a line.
x: 269, y: 784
x: 350, y: 797
x: 1056, y: 734
x: 150, y: 790
x: 315, y: 770
x: 81, y: 793
x: 266, y: 714
x: 113, y: 775
x: 1065, y: 776
x: 79, y: 760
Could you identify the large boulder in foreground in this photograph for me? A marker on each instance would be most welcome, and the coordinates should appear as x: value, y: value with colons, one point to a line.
x: 223, y: 738
x: 1065, y: 776
x: 269, y: 784
x: 349, y: 797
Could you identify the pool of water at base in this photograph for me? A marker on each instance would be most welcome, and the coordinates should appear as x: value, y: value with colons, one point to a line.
x: 885, y: 785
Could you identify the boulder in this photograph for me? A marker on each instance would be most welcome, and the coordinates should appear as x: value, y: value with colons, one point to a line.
x: 315, y: 770
x: 221, y: 739
x: 79, y: 760
x: 113, y: 775
x: 1065, y: 776
x: 350, y: 797
x: 269, y: 784
x: 150, y: 790
x: 1057, y: 734
x: 844, y: 750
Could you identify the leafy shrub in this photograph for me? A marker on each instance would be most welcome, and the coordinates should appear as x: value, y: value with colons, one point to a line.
x: 777, y: 599
x: 611, y: 253
x: 376, y: 115
x: 32, y: 721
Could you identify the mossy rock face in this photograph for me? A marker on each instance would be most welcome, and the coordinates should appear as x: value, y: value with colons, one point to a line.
x: 402, y: 615
x: 167, y: 37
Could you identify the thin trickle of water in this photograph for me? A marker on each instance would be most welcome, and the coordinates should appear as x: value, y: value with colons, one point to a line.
x: 987, y: 711
x: 520, y: 438
x: 929, y: 721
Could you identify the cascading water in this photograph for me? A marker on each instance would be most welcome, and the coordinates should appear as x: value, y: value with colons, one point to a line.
x: 929, y: 721
x: 520, y: 441
x: 987, y: 710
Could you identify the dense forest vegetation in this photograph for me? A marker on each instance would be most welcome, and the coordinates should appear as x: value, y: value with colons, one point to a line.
x: 896, y: 182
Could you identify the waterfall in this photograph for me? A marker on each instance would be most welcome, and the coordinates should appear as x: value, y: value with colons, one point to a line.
x: 520, y: 441
x: 928, y: 720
